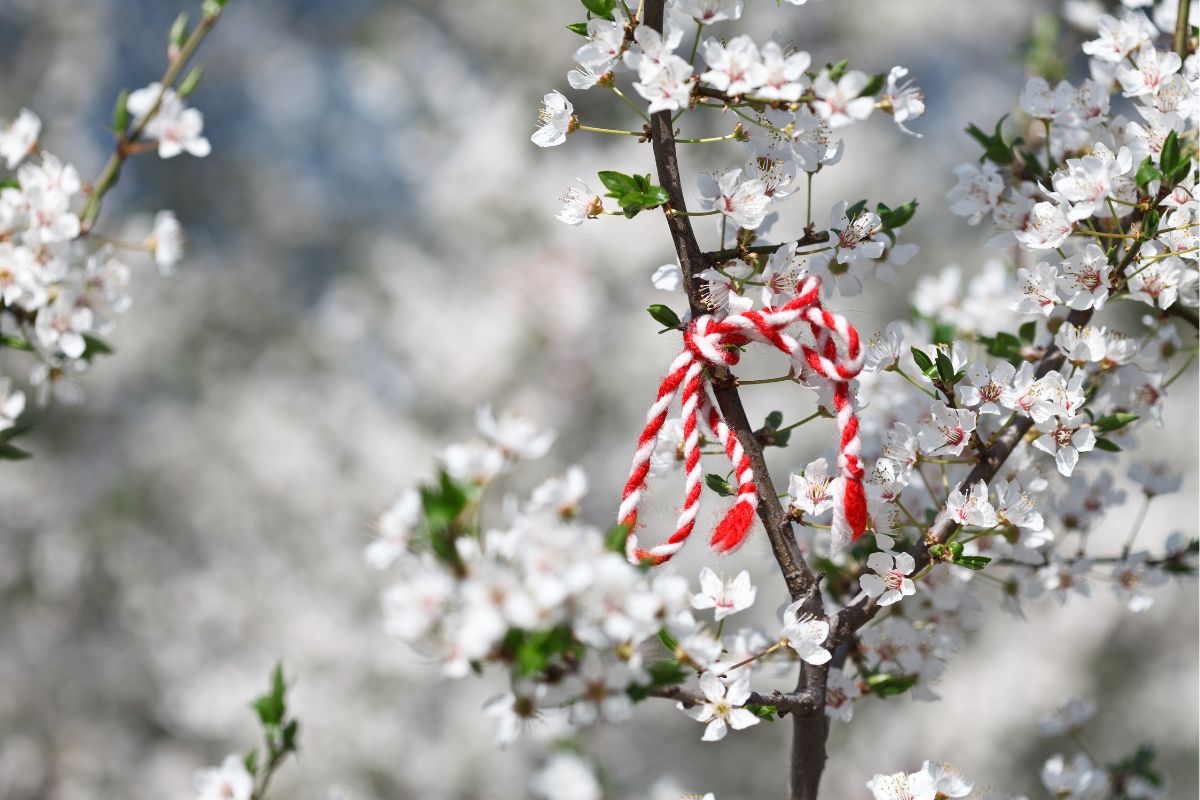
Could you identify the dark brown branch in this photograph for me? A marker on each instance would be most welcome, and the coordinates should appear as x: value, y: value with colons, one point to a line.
x: 796, y: 573
x: 784, y: 703
x: 809, y: 730
x: 810, y: 237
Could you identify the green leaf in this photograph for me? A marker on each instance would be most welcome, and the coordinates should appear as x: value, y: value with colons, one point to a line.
x: 190, y: 82
x: 443, y: 502
x: 667, y: 672
x: 782, y: 438
x: 995, y: 149
x: 288, y: 739
x: 774, y: 419
x: 271, y: 706
x: 1168, y: 158
x: 120, y: 112
x: 886, y: 685
x: 874, y: 85
x: 762, y: 712
x: 10, y: 452
x: 944, y: 333
x: 1004, y: 345
x: 618, y: 183
x: 15, y: 342
x: 1107, y: 445
x: 600, y: 8
x: 896, y: 217
x: 945, y: 368
x: 668, y: 641
x: 179, y: 31
x: 1028, y: 332
x: 251, y: 761
x: 578, y: 27
x: 855, y: 211
x: 1146, y: 173
x: 972, y: 562
x: 664, y: 316
x: 718, y: 484
x: 1150, y: 223
x: 836, y: 71
x: 924, y: 362
x: 1114, y: 422
x: 536, y: 649
x: 657, y: 195
x: 616, y: 537
x: 94, y: 347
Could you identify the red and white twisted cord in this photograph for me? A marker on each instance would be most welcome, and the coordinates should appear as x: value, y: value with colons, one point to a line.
x: 837, y: 358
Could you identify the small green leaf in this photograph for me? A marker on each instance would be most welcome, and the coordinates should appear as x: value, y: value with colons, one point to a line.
x: 874, y: 85
x: 578, y: 27
x: 251, y: 762
x: 922, y: 359
x: 94, y: 347
x: 616, y: 537
x: 190, y: 82
x: 664, y: 316
x: 945, y: 368
x: 972, y: 562
x: 179, y: 31
x: 886, y: 685
x: 1107, y: 445
x: 1150, y: 223
x: 290, y: 732
x: 1146, y: 173
x: 1168, y: 158
x: 15, y: 342
x: 618, y: 183
x: 855, y: 211
x: 667, y: 672
x: 120, y: 113
x: 668, y: 641
x: 774, y: 419
x: 762, y: 712
x: 10, y: 452
x: 271, y: 706
x: 1028, y: 332
x: 896, y: 217
x: 600, y: 8
x: 718, y: 484
x: 836, y: 71
x: 1114, y: 422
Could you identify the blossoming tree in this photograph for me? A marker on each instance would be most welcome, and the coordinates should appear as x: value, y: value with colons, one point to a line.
x: 971, y: 445
x: 62, y: 280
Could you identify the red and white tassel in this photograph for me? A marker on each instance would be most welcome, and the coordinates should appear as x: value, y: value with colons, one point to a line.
x: 837, y: 358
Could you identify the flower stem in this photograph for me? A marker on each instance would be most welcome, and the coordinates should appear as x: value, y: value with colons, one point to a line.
x: 125, y: 142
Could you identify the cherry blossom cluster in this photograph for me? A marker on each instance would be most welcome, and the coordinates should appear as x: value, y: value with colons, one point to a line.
x: 993, y: 419
x: 62, y: 282
x: 785, y: 112
x: 583, y: 633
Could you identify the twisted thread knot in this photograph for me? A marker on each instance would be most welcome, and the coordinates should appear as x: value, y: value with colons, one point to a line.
x: 836, y: 357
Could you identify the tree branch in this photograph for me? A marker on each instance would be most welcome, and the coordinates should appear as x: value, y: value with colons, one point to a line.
x: 800, y: 579
x: 809, y: 731
x: 800, y: 704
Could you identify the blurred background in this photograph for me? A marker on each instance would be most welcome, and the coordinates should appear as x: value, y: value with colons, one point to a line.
x: 373, y: 254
